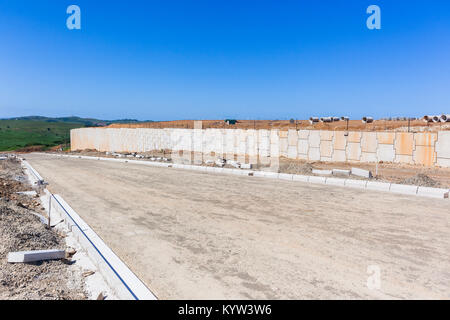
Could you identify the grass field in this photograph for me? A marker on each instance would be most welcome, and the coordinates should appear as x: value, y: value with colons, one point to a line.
x: 17, y: 134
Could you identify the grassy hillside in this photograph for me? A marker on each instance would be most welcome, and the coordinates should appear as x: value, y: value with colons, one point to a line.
x: 17, y: 134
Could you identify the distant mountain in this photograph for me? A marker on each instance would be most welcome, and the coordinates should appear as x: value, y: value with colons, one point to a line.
x: 88, y: 122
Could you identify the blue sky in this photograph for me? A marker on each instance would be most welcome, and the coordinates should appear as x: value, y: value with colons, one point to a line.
x: 165, y: 60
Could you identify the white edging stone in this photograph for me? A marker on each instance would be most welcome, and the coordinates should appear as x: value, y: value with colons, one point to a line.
x: 352, y: 183
x: 298, y: 177
x: 378, y: 186
x: 36, y: 255
x: 285, y: 176
x: 314, y: 179
x: 335, y: 181
x: 403, y: 189
x: 433, y: 192
x: 322, y: 172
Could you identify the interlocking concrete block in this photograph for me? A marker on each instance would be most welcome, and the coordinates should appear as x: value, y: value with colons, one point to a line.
x: 433, y: 192
x: 404, y: 143
x: 302, y: 146
x: 335, y: 181
x: 303, y: 134
x: 292, y: 137
x: 298, y: 177
x: 339, y: 156
x: 424, y: 155
x: 314, y: 154
x: 368, y: 157
x: 400, y: 158
x: 352, y: 183
x: 339, y: 140
x: 443, y: 162
x: 403, y: 189
x: 378, y: 186
x: 443, y: 145
x: 326, y: 148
x: 426, y: 139
x: 386, y: 137
x: 36, y: 255
x: 314, y: 139
x: 315, y: 179
x: 246, y: 165
x: 386, y: 152
x: 326, y: 135
x: 285, y: 176
x: 283, y: 134
x: 292, y: 152
x: 369, y: 142
x: 361, y: 173
x: 354, y: 137
x: 283, y: 146
x: 322, y: 172
x: 354, y: 151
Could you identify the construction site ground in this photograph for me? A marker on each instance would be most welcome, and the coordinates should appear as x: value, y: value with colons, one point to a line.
x: 21, y: 230
x: 191, y: 235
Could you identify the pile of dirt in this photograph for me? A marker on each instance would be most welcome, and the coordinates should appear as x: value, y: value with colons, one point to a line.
x: 421, y: 180
x: 293, y: 167
x: 21, y: 230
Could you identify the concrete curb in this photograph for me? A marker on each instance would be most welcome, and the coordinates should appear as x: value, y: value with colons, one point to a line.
x: 125, y: 284
x: 351, y: 183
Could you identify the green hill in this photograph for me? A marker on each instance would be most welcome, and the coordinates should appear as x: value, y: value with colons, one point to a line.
x: 23, y: 132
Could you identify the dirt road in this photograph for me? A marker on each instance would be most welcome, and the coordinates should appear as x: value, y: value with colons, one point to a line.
x: 195, y: 235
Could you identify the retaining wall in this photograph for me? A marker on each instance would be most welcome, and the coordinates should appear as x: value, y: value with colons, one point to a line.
x: 424, y: 148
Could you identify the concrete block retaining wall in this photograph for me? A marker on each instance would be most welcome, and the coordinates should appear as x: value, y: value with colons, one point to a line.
x: 424, y: 148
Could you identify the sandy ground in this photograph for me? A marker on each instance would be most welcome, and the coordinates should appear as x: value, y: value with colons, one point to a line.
x: 197, y: 235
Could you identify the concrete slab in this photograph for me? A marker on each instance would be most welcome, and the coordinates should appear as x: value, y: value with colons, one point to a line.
x: 36, y: 255
x: 322, y: 172
x: 403, y: 189
x: 298, y: 177
x: 379, y: 186
x: 385, y: 152
x: 404, y: 143
x: 335, y: 181
x: 314, y: 179
x: 361, y: 173
x: 285, y: 176
x: 433, y: 192
x: 341, y: 172
x: 352, y: 183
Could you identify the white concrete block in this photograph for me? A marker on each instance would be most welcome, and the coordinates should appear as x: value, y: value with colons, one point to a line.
x: 314, y: 154
x: 403, y: 189
x: 314, y: 179
x: 352, y: 183
x: 385, y: 152
x: 379, y: 186
x: 322, y: 172
x: 443, y: 145
x: 335, y: 181
x: 36, y: 255
x: 433, y: 192
x: 246, y: 165
x: 272, y: 175
x: 298, y: 177
x: 285, y: 176
x: 361, y: 173
x: 341, y: 172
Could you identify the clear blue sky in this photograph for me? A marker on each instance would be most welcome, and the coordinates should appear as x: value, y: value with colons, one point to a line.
x: 213, y: 59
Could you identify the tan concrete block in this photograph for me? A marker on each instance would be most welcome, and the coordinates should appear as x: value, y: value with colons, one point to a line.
x: 326, y: 135
x: 400, y: 158
x: 368, y: 157
x: 354, y: 137
x: 340, y: 140
x: 369, y: 142
x: 292, y: 137
x: 339, y: 155
x: 424, y: 155
x: 283, y: 134
x: 385, y: 137
x: 354, y: 151
x: 303, y: 134
x: 427, y: 139
x: 326, y: 148
x: 404, y: 143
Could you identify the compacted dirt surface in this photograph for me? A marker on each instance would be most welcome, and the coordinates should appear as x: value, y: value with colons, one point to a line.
x: 192, y: 235
x: 21, y: 230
